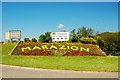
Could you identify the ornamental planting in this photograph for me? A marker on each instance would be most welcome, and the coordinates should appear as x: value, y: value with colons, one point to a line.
x: 57, y: 49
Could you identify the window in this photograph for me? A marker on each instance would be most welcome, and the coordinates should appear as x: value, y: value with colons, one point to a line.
x: 65, y: 38
x: 57, y: 38
x: 61, y: 38
x: 53, y: 38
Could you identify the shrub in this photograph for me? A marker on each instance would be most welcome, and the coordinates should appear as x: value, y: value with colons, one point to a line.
x: 87, y: 40
x: 109, y: 42
x: 34, y: 40
x: 100, y: 42
x: 45, y: 37
x: 26, y: 40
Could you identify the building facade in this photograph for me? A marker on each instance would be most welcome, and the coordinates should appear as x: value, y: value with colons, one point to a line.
x: 60, y: 36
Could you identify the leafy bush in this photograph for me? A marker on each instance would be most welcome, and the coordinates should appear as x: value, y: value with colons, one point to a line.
x: 87, y: 40
x: 73, y: 39
x: 26, y: 40
x: 34, y: 40
x: 100, y: 42
x: 109, y: 42
x: 85, y: 31
x: 45, y: 37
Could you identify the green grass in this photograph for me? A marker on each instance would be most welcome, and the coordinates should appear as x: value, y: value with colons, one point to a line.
x: 81, y: 63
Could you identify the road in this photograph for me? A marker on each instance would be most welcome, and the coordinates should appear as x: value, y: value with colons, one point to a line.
x: 23, y: 72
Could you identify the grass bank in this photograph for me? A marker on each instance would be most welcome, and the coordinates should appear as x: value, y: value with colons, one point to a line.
x: 80, y: 63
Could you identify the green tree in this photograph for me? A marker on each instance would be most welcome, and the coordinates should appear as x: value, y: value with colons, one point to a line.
x: 42, y: 38
x: 48, y: 37
x: 26, y: 40
x: 112, y: 43
x: 100, y: 41
x: 82, y: 31
x: 90, y: 32
x: 85, y: 32
x: 73, y: 32
x: 45, y: 37
x: 34, y: 40
x: 73, y: 36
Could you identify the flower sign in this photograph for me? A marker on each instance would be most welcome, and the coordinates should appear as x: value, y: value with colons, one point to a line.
x: 53, y: 47
x: 57, y: 49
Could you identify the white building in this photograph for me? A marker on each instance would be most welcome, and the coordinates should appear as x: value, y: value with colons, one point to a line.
x: 60, y: 36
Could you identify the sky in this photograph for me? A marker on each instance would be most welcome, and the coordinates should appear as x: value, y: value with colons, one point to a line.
x: 36, y: 18
x: 60, y: 0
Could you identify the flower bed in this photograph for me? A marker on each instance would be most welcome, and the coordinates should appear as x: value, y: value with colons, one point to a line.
x: 36, y: 53
x: 57, y: 49
x: 78, y: 53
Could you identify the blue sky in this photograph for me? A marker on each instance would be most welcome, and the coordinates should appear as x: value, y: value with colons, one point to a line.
x: 35, y: 18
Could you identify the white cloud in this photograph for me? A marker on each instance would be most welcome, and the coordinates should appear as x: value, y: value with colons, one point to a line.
x: 61, y: 26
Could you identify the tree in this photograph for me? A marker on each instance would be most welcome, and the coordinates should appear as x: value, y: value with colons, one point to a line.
x: 73, y: 32
x: 34, y: 40
x: 48, y: 37
x: 42, y: 38
x: 85, y: 32
x: 82, y: 31
x: 112, y: 42
x: 26, y: 40
x: 90, y: 32
x: 73, y: 36
x: 100, y: 41
x: 109, y: 37
x: 45, y: 37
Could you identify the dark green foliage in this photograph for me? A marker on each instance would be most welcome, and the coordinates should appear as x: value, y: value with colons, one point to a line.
x: 45, y: 37
x: 34, y: 40
x: 81, y: 32
x: 73, y: 36
x: 109, y: 43
x: 42, y: 38
x: 26, y: 40
x: 87, y: 40
x: 109, y: 37
x: 85, y: 31
x: 112, y: 50
x: 73, y: 39
x: 100, y: 42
